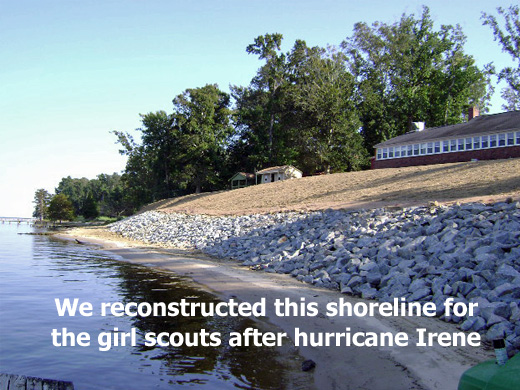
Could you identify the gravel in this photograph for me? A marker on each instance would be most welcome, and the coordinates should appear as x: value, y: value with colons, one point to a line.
x: 470, y: 252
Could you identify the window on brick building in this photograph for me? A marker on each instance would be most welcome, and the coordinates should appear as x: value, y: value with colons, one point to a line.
x: 397, y: 152
x: 501, y: 140
x: 493, y: 141
x: 453, y: 145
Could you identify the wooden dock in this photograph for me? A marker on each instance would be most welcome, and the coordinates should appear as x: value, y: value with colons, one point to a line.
x: 22, y: 382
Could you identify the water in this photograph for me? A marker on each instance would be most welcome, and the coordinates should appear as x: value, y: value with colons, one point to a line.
x: 36, y: 269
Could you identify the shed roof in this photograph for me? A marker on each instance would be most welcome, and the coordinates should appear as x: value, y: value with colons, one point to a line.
x: 483, y: 124
x: 244, y: 175
x: 281, y: 168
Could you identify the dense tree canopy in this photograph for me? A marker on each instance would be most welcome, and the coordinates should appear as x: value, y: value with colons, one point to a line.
x: 180, y: 152
x: 508, y: 36
x: 410, y: 72
x: 61, y: 208
x: 201, y: 124
x: 320, y: 109
x: 102, y: 195
x: 324, y: 113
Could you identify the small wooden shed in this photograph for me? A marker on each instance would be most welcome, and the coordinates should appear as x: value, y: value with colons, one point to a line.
x: 242, y: 179
x: 283, y: 172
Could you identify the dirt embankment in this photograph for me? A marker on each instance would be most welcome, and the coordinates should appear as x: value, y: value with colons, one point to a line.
x: 473, y: 181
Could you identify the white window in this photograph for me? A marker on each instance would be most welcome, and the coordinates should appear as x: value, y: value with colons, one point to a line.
x: 416, y: 150
x: 453, y: 145
x: 501, y: 140
x: 385, y: 153
x: 423, y: 149
x: 518, y: 138
x: 493, y: 141
x: 410, y: 148
x: 445, y: 146
x: 469, y: 143
x: 429, y: 149
x: 510, y: 139
x: 437, y: 147
x: 460, y: 143
x: 485, y: 142
x: 397, y: 151
x: 379, y: 154
x: 390, y: 152
x: 476, y: 142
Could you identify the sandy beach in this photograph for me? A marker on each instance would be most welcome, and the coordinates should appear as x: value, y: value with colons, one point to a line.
x: 337, y: 367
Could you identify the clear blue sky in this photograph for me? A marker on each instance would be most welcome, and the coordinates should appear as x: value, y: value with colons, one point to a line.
x: 73, y: 70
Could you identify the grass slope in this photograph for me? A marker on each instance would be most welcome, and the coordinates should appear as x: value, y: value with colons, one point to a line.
x: 472, y: 181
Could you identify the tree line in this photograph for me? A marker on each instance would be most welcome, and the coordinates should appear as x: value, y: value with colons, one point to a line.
x: 320, y: 109
x: 102, y: 196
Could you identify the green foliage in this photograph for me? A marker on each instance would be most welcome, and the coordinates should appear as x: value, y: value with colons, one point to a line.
x: 323, y: 109
x: 90, y: 207
x: 76, y: 191
x: 103, y: 195
x: 202, y: 127
x: 298, y: 109
x: 409, y: 72
x: 181, y: 152
x: 508, y: 36
x: 320, y: 109
x: 41, y: 204
x: 61, y: 208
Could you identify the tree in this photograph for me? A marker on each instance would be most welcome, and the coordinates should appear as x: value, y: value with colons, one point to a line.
x: 111, y: 194
x: 76, y: 191
x: 180, y: 152
x: 322, y: 98
x: 269, y: 78
x: 150, y: 169
x: 138, y: 179
x: 409, y: 72
x: 41, y: 204
x: 202, y: 128
x: 263, y: 133
x: 299, y: 109
x: 509, y: 38
x: 60, y: 208
x: 90, y: 207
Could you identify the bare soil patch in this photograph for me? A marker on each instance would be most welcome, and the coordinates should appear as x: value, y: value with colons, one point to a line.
x: 485, y: 181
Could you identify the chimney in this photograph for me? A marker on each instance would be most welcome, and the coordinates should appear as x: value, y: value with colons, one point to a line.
x: 418, y: 126
x: 472, y: 112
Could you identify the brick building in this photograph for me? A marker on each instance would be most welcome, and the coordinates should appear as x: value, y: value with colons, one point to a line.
x: 484, y: 137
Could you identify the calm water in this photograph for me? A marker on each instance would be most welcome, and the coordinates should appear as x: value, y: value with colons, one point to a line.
x: 34, y: 270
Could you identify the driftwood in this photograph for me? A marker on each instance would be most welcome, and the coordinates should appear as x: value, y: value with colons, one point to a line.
x: 22, y: 382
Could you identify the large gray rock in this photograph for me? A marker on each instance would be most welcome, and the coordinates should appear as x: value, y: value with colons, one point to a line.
x: 470, y: 252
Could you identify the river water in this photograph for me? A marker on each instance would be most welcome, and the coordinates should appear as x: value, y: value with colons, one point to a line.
x: 36, y: 269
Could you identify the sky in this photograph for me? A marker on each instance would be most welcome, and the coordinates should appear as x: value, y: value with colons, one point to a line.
x: 72, y: 71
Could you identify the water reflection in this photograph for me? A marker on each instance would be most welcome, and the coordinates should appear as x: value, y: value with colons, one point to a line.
x: 60, y: 269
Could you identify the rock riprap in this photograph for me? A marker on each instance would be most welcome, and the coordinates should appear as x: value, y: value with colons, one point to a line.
x: 470, y: 252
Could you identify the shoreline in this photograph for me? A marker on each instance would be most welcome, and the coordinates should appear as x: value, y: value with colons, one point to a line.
x: 409, y: 367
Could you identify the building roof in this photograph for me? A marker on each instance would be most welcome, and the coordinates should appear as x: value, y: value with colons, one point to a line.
x: 244, y: 175
x: 281, y: 168
x: 483, y: 124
